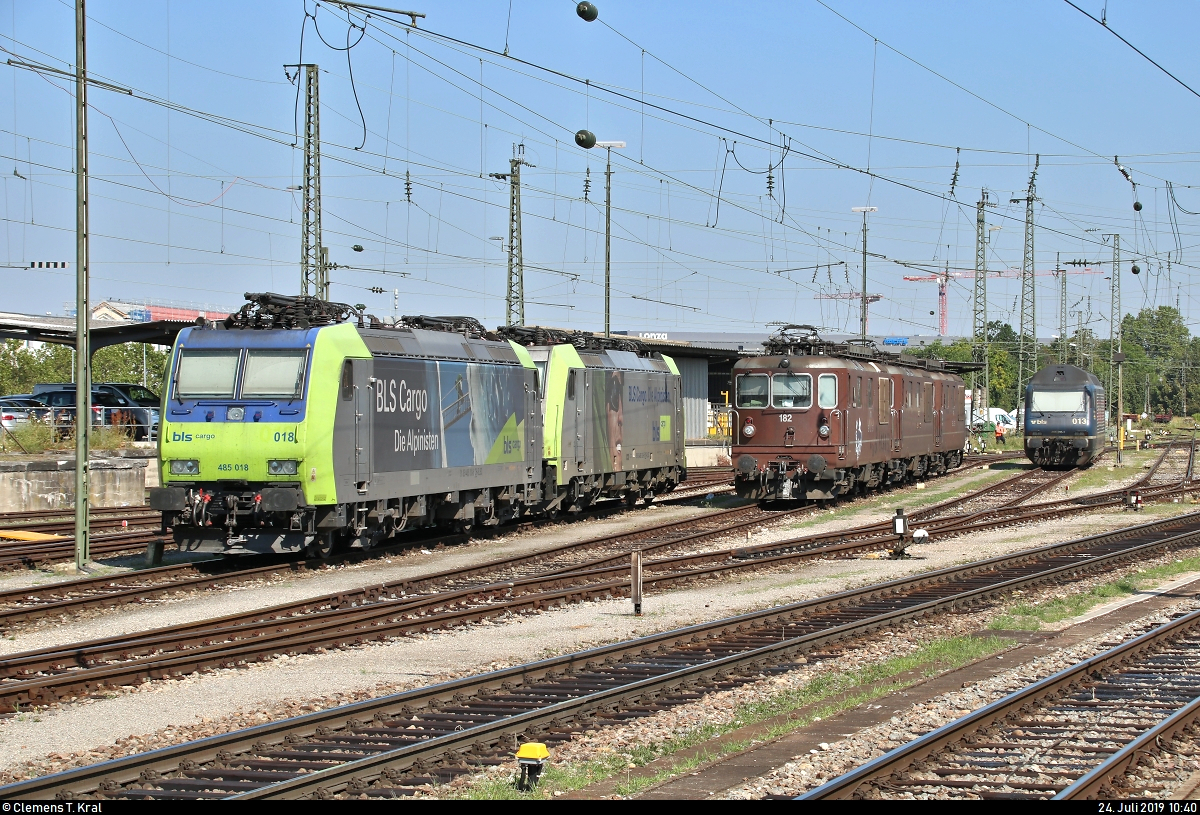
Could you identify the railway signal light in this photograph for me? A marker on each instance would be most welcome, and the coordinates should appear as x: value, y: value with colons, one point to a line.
x: 531, y: 757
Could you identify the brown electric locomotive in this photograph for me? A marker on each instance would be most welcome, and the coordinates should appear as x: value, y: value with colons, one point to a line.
x: 815, y: 419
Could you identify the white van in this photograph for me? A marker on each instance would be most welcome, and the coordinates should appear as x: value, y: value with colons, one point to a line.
x: 1003, y: 419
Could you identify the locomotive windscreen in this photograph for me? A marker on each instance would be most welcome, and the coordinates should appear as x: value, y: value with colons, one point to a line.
x: 208, y: 372
x: 792, y: 390
x: 1057, y: 402
x: 274, y: 374
x: 752, y: 390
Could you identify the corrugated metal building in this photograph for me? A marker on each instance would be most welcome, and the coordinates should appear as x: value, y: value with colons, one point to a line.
x: 694, y: 373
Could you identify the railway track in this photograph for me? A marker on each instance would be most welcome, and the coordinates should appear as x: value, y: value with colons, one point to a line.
x: 1073, y: 735
x: 68, y: 597
x: 386, y: 747
x: 134, y: 523
x: 566, y: 574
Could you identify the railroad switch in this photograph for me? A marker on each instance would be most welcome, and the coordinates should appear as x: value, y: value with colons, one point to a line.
x: 532, y: 758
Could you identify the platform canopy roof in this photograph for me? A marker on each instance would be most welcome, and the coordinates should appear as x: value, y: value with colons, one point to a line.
x: 61, y: 330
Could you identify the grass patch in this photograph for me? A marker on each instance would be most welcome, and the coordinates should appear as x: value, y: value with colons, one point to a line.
x: 800, y: 581
x: 36, y: 437
x: 912, y: 501
x: 1098, y: 475
x: 853, y: 687
x: 1030, y: 617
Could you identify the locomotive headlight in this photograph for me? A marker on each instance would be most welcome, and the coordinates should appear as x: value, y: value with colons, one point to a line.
x: 282, y: 467
x: 823, y: 431
x: 748, y: 430
x: 185, y: 467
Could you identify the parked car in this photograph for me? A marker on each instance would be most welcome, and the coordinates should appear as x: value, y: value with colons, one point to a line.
x: 21, y: 409
x: 121, y: 394
x: 138, y: 394
x: 108, y: 409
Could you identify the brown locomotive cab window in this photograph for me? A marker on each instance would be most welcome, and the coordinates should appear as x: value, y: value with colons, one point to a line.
x: 752, y: 390
x: 885, y: 401
x: 827, y: 391
x: 928, y: 402
x: 858, y: 391
x: 791, y: 390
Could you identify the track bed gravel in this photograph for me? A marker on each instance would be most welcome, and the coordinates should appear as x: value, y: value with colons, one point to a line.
x: 161, y: 713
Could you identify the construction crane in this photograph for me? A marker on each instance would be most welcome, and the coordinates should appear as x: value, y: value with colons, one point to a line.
x: 943, y: 281
x: 850, y: 295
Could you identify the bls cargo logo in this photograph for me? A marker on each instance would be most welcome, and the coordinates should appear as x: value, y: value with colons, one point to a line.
x: 177, y: 436
x: 661, y: 431
x: 647, y: 395
x: 392, y: 397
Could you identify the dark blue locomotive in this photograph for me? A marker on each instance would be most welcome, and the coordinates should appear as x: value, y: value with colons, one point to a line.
x: 1064, y: 417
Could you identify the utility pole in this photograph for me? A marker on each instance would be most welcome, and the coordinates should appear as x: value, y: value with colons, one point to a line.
x: 587, y: 140
x: 608, y: 241
x: 1062, y: 309
x: 83, y: 344
x: 863, y: 305
x: 514, y: 302
x: 1027, y: 338
x: 314, y: 276
x: 979, y: 336
x: 1115, y: 354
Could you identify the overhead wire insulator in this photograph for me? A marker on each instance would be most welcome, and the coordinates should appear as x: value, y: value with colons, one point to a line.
x: 770, y: 183
x: 587, y: 183
x: 408, y: 186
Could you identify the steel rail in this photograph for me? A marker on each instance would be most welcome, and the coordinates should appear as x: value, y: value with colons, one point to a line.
x: 949, y: 588
x: 43, y: 675
x: 19, y: 613
x: 237, y: 637
x: 1098, y: 782
x: 17, y: 554
x: 138, y: 591
x: 847, y: 784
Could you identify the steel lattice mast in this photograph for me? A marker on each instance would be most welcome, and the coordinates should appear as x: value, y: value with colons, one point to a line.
x: 314, y: 278
x: 515, y: 301
x: 979, y: 338
x: 1062, y: 310
x: 1114, y: 324
x: 1027, y: 336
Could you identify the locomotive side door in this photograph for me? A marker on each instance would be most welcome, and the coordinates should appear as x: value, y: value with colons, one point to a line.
x: 937, y: 403
x: 885, y: 412
x: 363, y: 391
x: 897, y: 413
x: 572, y: 449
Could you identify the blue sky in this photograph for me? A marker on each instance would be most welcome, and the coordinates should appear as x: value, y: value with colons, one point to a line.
x: 193, y: 208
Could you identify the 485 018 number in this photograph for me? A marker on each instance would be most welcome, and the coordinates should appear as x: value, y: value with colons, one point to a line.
x: 233, y: 468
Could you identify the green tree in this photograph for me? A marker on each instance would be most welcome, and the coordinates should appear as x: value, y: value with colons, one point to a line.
x: 22, y: 367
